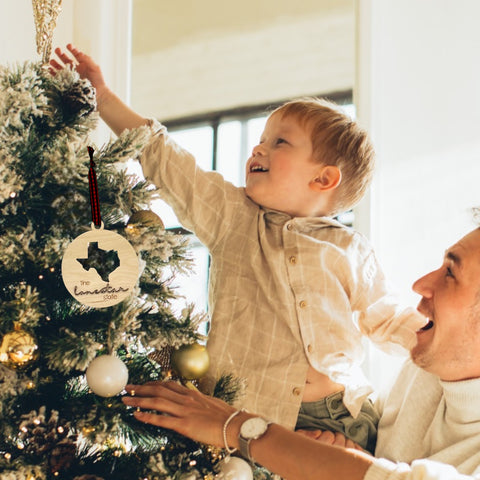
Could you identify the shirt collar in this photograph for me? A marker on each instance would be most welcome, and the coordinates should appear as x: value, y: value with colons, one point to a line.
x: 462, y: 399
x: 303, y: 223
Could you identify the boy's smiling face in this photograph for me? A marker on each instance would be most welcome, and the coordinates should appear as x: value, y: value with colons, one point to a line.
x: 281, y: 168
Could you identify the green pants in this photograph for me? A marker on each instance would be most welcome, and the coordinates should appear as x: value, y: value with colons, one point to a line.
x: 331, y: 414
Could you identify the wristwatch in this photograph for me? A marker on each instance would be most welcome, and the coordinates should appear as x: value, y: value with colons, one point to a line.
x: 251, y: 429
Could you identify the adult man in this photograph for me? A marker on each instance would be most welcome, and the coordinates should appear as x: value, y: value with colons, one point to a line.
x: 430, y: 421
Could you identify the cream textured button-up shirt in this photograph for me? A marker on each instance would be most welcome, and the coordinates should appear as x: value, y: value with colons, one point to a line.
x: 283, y: 290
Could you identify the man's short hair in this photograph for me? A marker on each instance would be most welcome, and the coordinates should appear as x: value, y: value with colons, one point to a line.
x: 337, y: 140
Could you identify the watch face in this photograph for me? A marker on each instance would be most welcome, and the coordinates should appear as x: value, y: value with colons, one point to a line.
x: 253, y: 427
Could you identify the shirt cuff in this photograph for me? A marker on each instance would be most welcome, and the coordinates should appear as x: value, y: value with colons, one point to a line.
x: 382, y: 469
x: 411, y: 321
x: 155, y: 125
x: 422, y: 469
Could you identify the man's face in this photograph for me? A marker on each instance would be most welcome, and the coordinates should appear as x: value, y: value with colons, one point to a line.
x: 449, y: 345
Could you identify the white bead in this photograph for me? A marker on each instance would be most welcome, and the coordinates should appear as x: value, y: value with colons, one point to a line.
x: 107, y: 375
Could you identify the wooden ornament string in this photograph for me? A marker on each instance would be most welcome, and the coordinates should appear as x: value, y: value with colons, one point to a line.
x: 93, y: 188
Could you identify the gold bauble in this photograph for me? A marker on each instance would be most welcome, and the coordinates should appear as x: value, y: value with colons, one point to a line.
x: 19, y: 349
x: 145, y: 218
x: 190, y: 362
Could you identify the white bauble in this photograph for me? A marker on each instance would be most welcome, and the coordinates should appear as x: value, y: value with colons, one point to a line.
x: 190, y: 476
x: 107, y: 375
x: 235, y: 468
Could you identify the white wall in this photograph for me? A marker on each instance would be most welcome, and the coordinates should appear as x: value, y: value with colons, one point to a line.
x: 418, y: 93
x: 17, y: 30
x: 197, y: 60
x: 419, y: 96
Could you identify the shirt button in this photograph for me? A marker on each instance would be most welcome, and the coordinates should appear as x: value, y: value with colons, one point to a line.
x: 297, y: 391
x: 310, y: 348
x: 293, y: 260
x: 303, y: 304
x: 289, y: 226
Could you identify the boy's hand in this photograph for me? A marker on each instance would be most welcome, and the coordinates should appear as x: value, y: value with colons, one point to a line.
x: 330, y: 438
x: 116, y: 114
x: 83, y: 64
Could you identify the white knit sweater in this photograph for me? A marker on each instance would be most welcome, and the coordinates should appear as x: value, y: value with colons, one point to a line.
x: 429, y: 429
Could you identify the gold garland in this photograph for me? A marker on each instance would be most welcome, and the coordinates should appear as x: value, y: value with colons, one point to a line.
x: 45, y: 13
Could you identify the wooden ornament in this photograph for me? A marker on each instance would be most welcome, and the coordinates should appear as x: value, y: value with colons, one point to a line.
x: 100, y: 268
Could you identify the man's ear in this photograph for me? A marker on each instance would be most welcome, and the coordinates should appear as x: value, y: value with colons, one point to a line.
x: 327, y: 178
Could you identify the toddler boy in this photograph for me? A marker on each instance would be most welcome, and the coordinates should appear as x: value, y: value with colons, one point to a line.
x: 291, y: 290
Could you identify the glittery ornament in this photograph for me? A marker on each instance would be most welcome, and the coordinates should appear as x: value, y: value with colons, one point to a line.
x: 19, y: 349
x: 45, y: 13
x: 191, y: 362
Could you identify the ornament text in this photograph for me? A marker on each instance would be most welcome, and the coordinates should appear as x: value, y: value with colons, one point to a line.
x: 107, y: 291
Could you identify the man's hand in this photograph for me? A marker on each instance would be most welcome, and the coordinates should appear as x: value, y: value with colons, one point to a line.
x: 189, y: 412
x: 330, y: 438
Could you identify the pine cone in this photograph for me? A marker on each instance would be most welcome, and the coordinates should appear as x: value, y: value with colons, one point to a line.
x: 48, y: 437
x: 62, y: 456
x: 78, y: 100
x: 162, y: 357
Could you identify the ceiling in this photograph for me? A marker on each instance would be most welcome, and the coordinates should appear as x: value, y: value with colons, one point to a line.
x: 161, y: 24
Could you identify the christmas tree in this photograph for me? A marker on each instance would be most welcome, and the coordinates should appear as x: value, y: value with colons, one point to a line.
x: 60, y: 417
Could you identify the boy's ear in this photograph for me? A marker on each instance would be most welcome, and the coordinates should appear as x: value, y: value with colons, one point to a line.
x: 327, y: 178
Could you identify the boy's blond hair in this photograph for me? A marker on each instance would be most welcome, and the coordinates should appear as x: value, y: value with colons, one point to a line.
x: 336, y: 140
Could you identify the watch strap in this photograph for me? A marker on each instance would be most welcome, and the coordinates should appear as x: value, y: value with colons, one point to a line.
x: 244, y: 447
x: 244, y: 443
